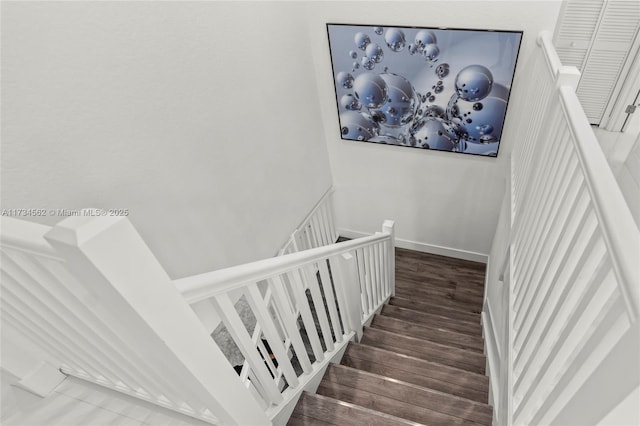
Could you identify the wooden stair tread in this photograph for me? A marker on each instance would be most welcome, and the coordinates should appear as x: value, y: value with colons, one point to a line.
x: 421, y: 359
x: 449, y: 278
x: 338, y: 412
x: 437, y: 260
x: 463, y: 285
x: 428, y: 319
x: 299, y: 420
x: 388, y: 405
x: 415, y: 330
x: 433, y: 308
x: 418, y: 371
x: 423, y: 292
x: 445, y: 278
x: 431, y: 351
x: 419, y: 396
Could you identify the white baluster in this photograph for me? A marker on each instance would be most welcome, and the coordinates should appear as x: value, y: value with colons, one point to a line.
x: 247, y: 346
x: 330, y: 300
x: 298, y: 287
x: 290, y: 323
x: 263, y: 318
x: 312, y: 283
x: 137, y: 296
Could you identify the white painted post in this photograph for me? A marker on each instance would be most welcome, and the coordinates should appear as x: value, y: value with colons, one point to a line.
x: 568, y: 76
x: 348, y: 288
x: 138, y: 300
x: 389, y: 227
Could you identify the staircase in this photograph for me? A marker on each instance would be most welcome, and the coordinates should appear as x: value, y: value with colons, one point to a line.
x: 420, y: 361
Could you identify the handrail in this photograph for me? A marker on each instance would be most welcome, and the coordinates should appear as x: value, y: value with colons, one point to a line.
x: 610, y: 206
x: 572, y: 262
x: 203, y: 286
x: 27, y: 236
x: 550, y: 55
x: 352, y: 279
x: 292, y: 243
x: 317, y: 206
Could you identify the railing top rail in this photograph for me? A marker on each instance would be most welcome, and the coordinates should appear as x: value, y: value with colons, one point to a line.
x: 620, y: 232
x: 550, y: 54
x: 26, y: 236
x: 316, y: 207
x: 203, y: 286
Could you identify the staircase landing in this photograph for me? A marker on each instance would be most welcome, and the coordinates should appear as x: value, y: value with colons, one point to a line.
x: 420, y: 362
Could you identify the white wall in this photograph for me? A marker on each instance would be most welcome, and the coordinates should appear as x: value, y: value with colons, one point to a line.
x: 441, y: 202
x: 201, y: 118
x: 622, y: 150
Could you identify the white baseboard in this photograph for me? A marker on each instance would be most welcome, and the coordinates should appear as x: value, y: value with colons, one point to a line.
x: 424, y: 247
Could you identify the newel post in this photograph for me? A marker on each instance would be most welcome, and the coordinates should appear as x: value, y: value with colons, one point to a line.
x: 568, y: 76
x: 389, y: 227
x: 348, y: 289
x: 140, y: 303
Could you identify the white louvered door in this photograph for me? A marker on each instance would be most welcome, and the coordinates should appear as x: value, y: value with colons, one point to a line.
x: 598, y: 37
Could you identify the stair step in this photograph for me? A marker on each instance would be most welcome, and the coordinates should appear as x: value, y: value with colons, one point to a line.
x: 453, y: 311
x: 428, y: 400
x: 425, y: 349
x: 327, y: 410
x: 421, y: 291
x: 434, y: 262
x: 473, y: 288
x: 431, y: 320
x: 409, y: 369
x: 388, y: 405
x: 471, y: 275
x: 298, y: 420
x: 414, y: 329
x: 472, y: 281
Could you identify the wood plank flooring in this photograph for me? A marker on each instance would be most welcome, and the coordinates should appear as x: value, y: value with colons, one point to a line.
x: 420, y: 362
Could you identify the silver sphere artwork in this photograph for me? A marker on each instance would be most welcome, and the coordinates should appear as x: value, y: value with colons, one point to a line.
x: 394, y: 38
x: 401, y: 104
x: 367, y: 63
x: 442, y: 70
x: 425, y: 37
x: 432, y: 134
x: 362, y: 40
x: 371, y: 90
x: 474, y: 82
x: 357, y: 126
x: 482, y: 121
x: 447, y: 89
x: 374, y: 52
x: 430, y: 52
x: 350, y: 102
x: 344, y: 79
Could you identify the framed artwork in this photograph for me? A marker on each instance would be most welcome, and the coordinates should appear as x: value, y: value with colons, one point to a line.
x: 430, y: 88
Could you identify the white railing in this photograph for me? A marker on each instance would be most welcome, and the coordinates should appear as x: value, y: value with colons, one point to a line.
x: 90, y: 295
x: 305, y: 306
x: 572, y: 278
x: 316, y: 230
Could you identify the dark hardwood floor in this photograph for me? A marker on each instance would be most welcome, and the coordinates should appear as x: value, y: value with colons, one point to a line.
x: 421, y: 360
